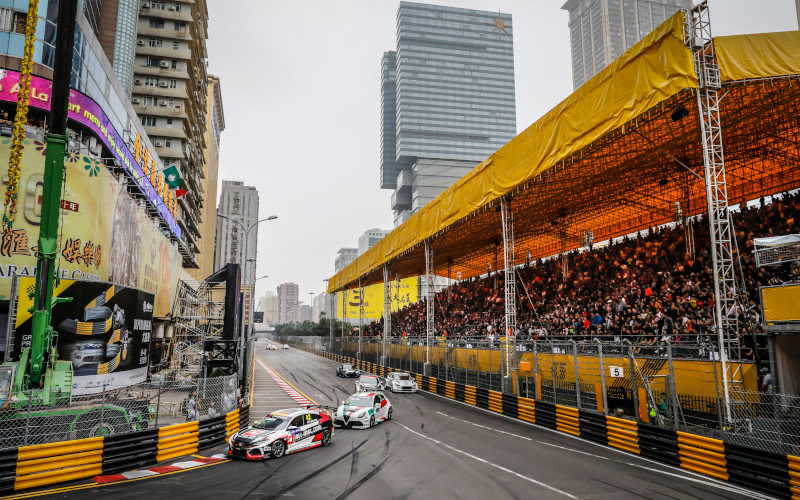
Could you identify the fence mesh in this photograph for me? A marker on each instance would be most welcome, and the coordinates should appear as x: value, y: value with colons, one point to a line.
x: 26, y: 420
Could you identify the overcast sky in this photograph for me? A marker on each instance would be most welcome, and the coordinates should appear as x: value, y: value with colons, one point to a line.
x: 301, y: 92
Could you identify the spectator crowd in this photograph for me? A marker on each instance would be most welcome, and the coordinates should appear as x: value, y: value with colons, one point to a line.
x: 645, y: 289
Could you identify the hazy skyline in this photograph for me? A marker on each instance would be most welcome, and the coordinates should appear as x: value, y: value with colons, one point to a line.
x: 301, y: 93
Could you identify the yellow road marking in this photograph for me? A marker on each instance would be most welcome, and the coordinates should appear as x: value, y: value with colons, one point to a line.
x: 284, y: 379
x: 33, y: 494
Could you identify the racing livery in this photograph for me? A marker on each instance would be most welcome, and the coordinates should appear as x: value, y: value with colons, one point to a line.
x: 282, y: 432
x: 401, y: 382
x: 347, y: 371
x: 363, y: 410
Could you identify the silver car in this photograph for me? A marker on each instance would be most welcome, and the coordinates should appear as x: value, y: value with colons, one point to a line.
x: 401, y: 382
x: 369, y: 383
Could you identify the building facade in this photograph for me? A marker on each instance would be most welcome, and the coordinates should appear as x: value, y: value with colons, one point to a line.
x: 344, y: 257
x: 288, y: 306
x: 116, y: 26
x: 268, y: 304
x: 238, y: 206
x: 169, y: 92
x: 306, y: 313
x: 208, y: 221
x: 602, y: 30
x: 450, y: 87
x: 369, y: 238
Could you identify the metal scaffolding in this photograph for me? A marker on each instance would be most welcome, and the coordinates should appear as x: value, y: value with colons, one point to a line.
x: 507, y: 218
x: 430, y: 298
x: 387, y: 308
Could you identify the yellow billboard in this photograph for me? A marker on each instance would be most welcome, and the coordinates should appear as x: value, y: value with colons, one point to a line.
x: 104, y: 235
x: 404, y: 292
x: 781, y: 303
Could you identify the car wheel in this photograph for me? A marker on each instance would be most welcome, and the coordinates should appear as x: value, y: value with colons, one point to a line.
x: 326, y: 438
x: 389, y: 414
x: 372, y: 421
x: 278, y: 449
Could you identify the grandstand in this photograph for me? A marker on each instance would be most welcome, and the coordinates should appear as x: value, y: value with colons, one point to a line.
x: 663, y: 137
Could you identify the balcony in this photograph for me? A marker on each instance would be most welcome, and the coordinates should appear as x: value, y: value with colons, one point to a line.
x: 168, y: 15
x: 163, y: 52
x: 142, y: 70
x: 167, y: 32
x: 162, y: 111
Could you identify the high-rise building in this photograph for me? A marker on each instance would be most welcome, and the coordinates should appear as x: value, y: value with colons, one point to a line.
x: 450, y: 87
x: 208, y: 221
x: 306, y: 313
x: 238, y: 206
x: 268, y: 304
x: 602, y: 30
x: 369, y: 238
x: 116, y: 22
x: 344, y: 257
x: 169, y: 92
x: 288, y: 307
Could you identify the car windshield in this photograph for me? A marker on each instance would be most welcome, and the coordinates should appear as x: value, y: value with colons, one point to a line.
x: 404, y: 376
x: 271, y: 422
x: 358, y: 402
x: 347, y: 367
x: 369, y: 380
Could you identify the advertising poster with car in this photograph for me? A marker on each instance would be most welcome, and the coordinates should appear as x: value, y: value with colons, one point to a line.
x: 104, y: 330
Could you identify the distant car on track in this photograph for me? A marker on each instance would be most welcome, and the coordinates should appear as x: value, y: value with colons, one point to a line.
x: 272, y: 347
x: 347, y: 371
x: 282, y: 432
x: 369, y: 383
x: 401, y: 382
x: 285, y: 346
x: 363, y: 410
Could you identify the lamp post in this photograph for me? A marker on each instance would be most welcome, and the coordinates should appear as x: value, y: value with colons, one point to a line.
x: 327, y: 312
x: 250, y: 316
x: 246, y: 232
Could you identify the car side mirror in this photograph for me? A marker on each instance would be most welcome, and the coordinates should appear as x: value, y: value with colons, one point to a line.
x: 291, y: 428
x: 342, y: 402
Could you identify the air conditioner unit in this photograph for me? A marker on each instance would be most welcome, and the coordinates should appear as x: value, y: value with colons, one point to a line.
x: 158, y: 144
x: 164, y: 64
x: 145, y: 5
x: 162, y: 84
x: 137, y: 81
x: 136, y: 100
x: 140, y: 43
x: 171, y: 7
x: 162, y: 103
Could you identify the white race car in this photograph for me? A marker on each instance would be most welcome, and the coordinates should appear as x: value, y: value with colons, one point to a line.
x: 401, y: 382
x: 369, y: 383
x: 282, y: 432
x: 285, y: 346
x: 362, y: 410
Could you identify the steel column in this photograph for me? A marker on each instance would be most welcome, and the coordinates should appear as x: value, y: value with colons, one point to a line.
x: 430, y: 298
x: 697, y: 36
x: 510, y: 280
x: 360, y: 316
x: 387, y: 309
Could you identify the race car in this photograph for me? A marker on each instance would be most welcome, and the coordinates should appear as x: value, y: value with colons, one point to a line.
x: 272, y: 347
x: 369, y: 383
x: 363, y: 410
x: 282, y: 432
x: 285, y: 346
x: 401, y: 382
x: 347, y: 371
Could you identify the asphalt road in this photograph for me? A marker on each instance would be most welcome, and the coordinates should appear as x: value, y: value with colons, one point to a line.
x: 433, y: 448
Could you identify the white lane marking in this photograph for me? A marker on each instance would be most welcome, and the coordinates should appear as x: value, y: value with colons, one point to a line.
x: 484, y: 427
x: 479, y: 459
x: 575, y: 451
x: 733, y: 489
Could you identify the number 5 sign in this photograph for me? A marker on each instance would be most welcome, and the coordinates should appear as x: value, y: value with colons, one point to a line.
x: 616, y: 371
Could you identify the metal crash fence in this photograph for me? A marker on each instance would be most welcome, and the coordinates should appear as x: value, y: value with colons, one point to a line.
x: 669, y: 386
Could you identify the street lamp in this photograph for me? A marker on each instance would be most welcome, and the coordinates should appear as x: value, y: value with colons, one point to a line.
x: 312, y: 305
x: 328, y: 313
x: 246, y: 232
x: 252, y: 292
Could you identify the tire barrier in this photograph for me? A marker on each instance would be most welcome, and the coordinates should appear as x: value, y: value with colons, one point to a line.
x: 123, y: 452
x: 567, y: 420
x: 702, y: 454
x: 44, y: 464
x: 231, y: 423
x: 778, y: 475
x: 178, y: 440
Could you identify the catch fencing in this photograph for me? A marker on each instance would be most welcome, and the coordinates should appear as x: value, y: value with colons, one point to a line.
x: 667, y: 386
x: 35, y: 417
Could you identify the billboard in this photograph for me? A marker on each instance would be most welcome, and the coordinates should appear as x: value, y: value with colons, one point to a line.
x: 258, y: 317
x: 105, y: 331
x: 404, y: 292
x: 104, y: 235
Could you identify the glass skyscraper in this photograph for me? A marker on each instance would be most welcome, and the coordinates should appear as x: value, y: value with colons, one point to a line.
x: 450, y: 88
x: 602, y: 30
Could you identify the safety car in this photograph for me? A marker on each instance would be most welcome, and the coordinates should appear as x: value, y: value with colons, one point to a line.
x: 282, y: 432
x: 363, y: 410
x: 401, y: 382
x: 369, y: 383
x: 347, y: 371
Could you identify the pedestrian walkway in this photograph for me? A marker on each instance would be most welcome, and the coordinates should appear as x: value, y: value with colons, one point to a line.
x: 267, y: 395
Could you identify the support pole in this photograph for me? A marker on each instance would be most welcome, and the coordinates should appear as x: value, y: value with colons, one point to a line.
x: 697, y: 36
x: 510, y: 290
x: 360, y: 318
x: 430, y: 298
x: 602, y: 376
x: 387, y: 311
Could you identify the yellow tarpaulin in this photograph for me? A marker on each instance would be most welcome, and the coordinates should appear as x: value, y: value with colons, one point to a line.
x: 781, y: 303
x: 656, y: 68
x: 758, y: 56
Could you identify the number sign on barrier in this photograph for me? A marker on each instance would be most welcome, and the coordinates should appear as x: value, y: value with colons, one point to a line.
x: 616, y: 371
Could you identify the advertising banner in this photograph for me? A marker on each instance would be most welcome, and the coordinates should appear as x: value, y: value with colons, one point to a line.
x: 105, y: 331
x: 404, y: 292
x: 104, y: 234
